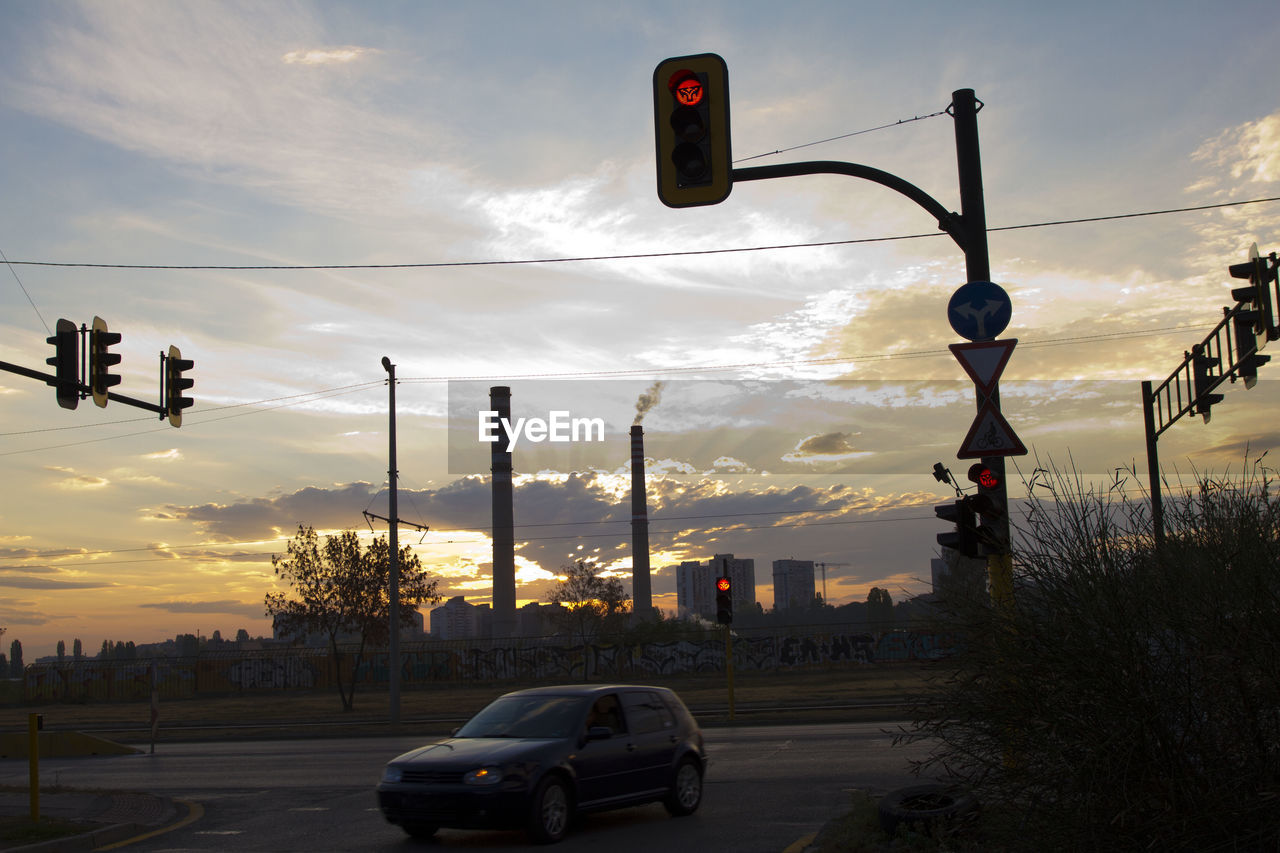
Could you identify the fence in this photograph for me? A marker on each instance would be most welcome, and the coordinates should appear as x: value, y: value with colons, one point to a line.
x: 432, y: 662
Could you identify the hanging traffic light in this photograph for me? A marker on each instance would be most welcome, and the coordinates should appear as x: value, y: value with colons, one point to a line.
x: 724, y: 601
x: 1201, y: 365
x: 175, y: 383
x: 691, y: 130
x: 964, y: 538
x: 1247, y: 342
x: 101, y: 379
x: 1261, y: 312
x: 66, y: 363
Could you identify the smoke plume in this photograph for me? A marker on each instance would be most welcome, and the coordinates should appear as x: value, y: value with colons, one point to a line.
x: 647, y: 401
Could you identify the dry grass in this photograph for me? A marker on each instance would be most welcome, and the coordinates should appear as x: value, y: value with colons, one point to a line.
x: 439, y: 708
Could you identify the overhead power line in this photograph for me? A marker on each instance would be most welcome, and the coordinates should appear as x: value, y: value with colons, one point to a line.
x: 623, y: 257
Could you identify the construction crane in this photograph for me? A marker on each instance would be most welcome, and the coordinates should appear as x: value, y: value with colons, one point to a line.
x: 823, y: 566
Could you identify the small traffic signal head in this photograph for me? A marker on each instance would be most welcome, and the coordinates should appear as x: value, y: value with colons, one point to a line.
x: 175, y: 384
x: 1202, y: 365
x: 964, y: 538
x: 101, y: 360
x: 724, y: 601
x: 984, y: 476
x: 691, y: 130
x: 66, y: 363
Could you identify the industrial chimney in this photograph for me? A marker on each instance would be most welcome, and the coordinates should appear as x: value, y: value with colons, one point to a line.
x: 504, y: 543
x: 641, y: 592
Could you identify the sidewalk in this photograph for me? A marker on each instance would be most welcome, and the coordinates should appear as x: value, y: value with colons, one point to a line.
x: 116, y: 816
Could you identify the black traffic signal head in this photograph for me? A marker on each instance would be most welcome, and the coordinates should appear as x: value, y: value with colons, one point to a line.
x: 964, y: 538
x: 691, y: 130
x: 66, y: 363
x: 1247, y: 359
x: 101, y: 360
x: 175, y: 383
x: 724, y: 600
x: 1202, y: 366
x: 1260, y: 272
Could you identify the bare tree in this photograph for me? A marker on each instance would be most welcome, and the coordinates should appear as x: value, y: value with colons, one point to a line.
x: 342, y: 592
x: 593, y: 605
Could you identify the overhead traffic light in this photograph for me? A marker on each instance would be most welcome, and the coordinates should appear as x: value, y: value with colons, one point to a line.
x: 1201, y: 365
x: 101, y: 379
x: 724, y: 601
x: 1260, y: 272
x: 1247, y: 342
x: 66, y: 363
x: 691, y: 130
x: 175, y: 383
x: 964, y: 538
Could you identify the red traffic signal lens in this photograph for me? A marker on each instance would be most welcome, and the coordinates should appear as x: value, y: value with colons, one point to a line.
x: 983, y: 476
x: 686, y: 88
x: 722, y: 584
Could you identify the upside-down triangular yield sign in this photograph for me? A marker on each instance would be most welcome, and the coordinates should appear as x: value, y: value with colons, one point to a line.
x: 990, y: 435
x: 985, y: 361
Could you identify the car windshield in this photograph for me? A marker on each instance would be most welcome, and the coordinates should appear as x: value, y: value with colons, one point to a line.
x: 527, y: 716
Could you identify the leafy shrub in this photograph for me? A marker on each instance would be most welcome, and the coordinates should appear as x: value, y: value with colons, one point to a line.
x: 1129, y: 699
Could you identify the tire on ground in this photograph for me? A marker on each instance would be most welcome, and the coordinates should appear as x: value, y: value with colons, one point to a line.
x: 686, y: 790
x: 550, y: 810
x: 924, y: 807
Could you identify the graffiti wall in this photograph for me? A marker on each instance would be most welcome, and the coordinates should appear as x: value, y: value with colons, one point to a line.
x: 540, y: 659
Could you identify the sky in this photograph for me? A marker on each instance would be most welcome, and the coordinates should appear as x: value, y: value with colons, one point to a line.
x: 806, y: 392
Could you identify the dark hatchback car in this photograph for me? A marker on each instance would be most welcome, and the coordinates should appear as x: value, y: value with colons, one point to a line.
x: 536, y: 758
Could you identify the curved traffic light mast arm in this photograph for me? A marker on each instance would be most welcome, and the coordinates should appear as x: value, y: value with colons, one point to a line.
x: 949, y: 221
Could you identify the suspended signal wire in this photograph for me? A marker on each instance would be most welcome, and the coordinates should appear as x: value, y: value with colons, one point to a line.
x: 897, y: 123
x: 626, y: 257
x: 24, y: 292
x: 313, y: 396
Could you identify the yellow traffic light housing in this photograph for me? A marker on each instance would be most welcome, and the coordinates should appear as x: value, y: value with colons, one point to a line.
x: 691, y: 130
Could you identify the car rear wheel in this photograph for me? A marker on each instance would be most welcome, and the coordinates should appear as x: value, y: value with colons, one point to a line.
x: 686, y: 793
x: 550, y: 811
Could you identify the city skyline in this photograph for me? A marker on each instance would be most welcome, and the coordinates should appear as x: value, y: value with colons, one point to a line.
x: 291, y: 192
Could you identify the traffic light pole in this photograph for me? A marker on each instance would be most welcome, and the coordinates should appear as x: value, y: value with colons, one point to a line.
x: 969, y: 230
x: 81, y: 388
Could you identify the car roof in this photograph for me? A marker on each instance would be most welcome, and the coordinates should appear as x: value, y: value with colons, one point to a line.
x: 583, y: 689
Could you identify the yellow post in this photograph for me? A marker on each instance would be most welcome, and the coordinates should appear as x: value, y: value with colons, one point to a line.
x: 35, y: 722
x: 728, y: 663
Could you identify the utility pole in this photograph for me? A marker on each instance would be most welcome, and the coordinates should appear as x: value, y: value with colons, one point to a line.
x: 393, y: 652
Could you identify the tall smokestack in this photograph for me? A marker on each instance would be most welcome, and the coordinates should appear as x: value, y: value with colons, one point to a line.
x: 504, y: 542
x: 641, y: 592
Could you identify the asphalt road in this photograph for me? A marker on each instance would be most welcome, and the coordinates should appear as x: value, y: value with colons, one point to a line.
x: 767, y: 787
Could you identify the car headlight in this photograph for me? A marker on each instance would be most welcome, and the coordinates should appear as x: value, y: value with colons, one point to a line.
x: 392, y: 773
x: 484, y: 776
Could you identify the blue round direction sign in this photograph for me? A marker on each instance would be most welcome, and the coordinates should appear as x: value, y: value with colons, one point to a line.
x: 979, y: 310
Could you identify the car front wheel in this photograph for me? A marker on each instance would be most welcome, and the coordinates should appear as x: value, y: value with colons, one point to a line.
x: 550, y: 811
x: 686, y: 793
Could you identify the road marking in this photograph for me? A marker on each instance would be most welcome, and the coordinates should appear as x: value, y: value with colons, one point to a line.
x: 310, y: 809
x: 195, y: 811
x: 220, y: 832
x: 800, y: 843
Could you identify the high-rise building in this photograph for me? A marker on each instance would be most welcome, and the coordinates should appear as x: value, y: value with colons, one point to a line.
x: 695, y: 585
x: 458, y: 620
x: 793, y: 587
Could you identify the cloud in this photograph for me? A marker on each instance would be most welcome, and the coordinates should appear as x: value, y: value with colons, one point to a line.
x: 170, y: 455
x: 326, y: 55
x: 829, y: 447
x: 47, y: 583
x: 252, y: 610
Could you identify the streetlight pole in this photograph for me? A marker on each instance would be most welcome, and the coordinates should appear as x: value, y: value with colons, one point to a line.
x: 393, y: 652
